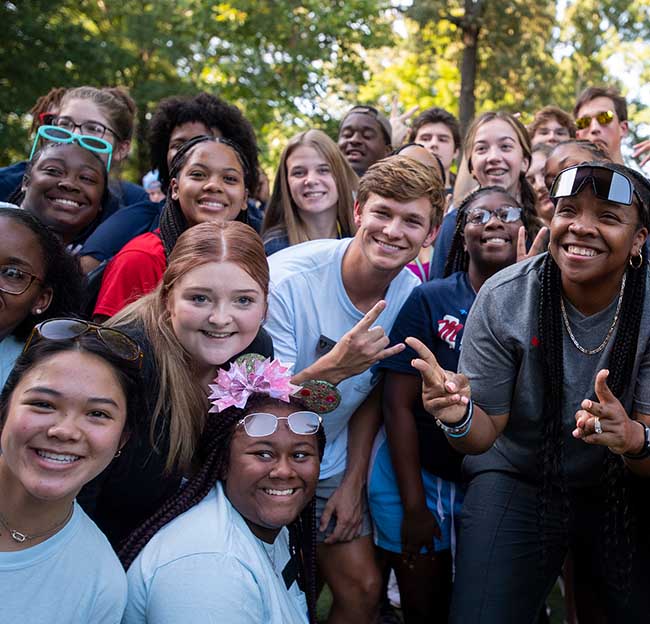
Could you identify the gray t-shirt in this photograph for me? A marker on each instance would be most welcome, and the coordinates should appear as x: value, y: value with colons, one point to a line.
x: 502, y: 358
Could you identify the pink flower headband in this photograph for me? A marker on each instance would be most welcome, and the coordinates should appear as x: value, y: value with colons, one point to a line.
x: 253, y: 374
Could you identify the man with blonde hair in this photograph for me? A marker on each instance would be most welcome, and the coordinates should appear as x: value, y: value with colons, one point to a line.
x: 331, y: 306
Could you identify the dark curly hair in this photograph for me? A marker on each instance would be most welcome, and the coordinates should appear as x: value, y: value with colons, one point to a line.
x: 213, y: 456
x: 458, y: 258
x: 172, y: 220
x: 619, y: 526
x: 62, y: 273
x: 211, y: 111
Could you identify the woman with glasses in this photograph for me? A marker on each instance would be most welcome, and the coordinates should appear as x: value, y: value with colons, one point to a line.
x: 414, y: 487
x: 65, y: 413
x: 210, y: 180
x: 208, y: 309
x: 38, y: 280
x: 237, y: 543
x: 552, y: 408
x: 313, y: 193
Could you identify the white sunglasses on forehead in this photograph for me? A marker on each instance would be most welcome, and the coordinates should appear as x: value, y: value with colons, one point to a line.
x: 263, y: 424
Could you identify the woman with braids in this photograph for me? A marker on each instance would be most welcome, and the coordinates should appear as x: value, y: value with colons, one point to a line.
x: 65, y: 413
x: 553, y: 408
x: 210, y: 180
x: 498, y: 153
x: 413, y: 488
x: 237, y: 543
x: 38, y: 280
x: 208, y: 309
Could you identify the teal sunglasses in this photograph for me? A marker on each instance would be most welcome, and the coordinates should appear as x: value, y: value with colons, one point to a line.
x: 55, y: 134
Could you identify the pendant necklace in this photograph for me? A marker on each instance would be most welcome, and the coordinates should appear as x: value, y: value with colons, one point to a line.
x: 20, y: 537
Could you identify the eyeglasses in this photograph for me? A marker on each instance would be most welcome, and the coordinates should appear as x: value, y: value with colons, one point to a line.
x: 55, y: 134
x: 262, y: 424
x: 606, y: 183
x: 15, y: 281
x: 603, y: 118
x: 114, y: 340
x: 505, y: 214
x: 93, y: 128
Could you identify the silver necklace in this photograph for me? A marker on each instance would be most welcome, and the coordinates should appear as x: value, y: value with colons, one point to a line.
x: 20, y: 537
x: 610, y: 331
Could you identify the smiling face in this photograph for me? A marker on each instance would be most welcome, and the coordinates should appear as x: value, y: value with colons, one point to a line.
x: 271, y: 479
x: 608, y: 137
x: 592, y: 239
x: 216, y: 311
x: 497, y: 158
x: 439, y: 140
x: 390, y: 232
x: 64, y: 189
x: 81, y: 110
x: 311, y: 183
x: 20, y: 252
x: 63, y: 426
x: 535, y: 176
x: 210, y: 186
x: 493, y: 245
x: 362, y: 141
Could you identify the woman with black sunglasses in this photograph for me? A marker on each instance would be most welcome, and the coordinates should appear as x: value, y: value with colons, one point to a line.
x: 38, y: 280
x: 65, y: 412
x: 553, y: 405
x: 237, y: 544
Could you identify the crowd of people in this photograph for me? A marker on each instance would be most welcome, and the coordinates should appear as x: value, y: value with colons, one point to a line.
x: 410, y: 367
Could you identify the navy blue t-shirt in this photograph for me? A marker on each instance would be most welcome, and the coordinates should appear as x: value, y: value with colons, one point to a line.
x: 442, y: 245
x: 10, y: 179
x: 435, y: 313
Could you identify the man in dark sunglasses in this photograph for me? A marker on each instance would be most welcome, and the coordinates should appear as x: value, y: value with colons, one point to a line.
x: 601, y: 117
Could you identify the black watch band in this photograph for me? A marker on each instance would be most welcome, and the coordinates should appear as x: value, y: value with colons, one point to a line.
x: 645, y: 450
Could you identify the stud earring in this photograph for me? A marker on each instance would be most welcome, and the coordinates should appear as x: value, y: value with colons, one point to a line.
x: 38, y: 311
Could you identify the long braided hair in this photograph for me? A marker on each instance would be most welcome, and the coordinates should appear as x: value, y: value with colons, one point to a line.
x: 618, y: 527
x: 458, y: 258
x: 212, y: 457
x: 172, y: 220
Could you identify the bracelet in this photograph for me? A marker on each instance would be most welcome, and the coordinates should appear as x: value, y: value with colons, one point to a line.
x: 645, y: 451
x: 461, y: 428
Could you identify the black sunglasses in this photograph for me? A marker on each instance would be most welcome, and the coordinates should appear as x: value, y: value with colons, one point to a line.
x: 606, y: 184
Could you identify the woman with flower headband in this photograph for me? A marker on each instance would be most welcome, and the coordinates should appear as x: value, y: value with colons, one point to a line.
x: 237, y: 544
x: 210, y: 179
x: 65, y: 412
x: 552, y: 409
x: 207, y: 310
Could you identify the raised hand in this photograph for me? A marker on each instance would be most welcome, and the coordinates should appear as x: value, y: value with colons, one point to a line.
x: 445, y: 394
x: 537, y: 246
x: 617, y: 430
x: 398, y: 122
x: 363, y: 345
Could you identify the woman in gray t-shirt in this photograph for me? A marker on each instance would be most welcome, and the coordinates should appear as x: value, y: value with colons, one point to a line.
x: 556, y: 360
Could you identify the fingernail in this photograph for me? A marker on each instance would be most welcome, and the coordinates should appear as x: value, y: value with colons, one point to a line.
x: 451, y: 387
x: 464, y: 400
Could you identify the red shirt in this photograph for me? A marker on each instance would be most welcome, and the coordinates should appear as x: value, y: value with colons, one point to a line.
x: 134, y: 271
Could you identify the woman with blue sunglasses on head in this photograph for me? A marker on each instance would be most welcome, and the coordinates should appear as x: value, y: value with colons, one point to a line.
x: 553, y: 407
x: 66, y: 183
x: 237, y: 544
x: 65, y: 413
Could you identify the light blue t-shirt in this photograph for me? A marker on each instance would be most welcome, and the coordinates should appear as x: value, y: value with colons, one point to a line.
x: 206, y: 566
x: 10, y: 349
x: 307, y: 299
x: 72, y: 577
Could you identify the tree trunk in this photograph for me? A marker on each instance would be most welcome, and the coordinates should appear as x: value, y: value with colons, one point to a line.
x: 470, y: 32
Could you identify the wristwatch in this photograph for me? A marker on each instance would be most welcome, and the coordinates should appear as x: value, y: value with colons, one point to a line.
x: 645, y: 450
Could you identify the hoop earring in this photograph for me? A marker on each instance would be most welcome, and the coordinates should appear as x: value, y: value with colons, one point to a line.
x: 638, y: 265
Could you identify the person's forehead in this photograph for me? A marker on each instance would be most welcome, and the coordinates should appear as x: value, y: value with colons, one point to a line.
x: 360, y: 121
x: 597, y: 105
x: 435, y: 127
x: 551, y: 122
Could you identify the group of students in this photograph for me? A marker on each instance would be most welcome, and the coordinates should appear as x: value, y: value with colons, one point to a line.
x: 240, y: 396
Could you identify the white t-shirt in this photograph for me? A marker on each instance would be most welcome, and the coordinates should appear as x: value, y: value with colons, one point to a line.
x: 307, y: 299
x: 72, y: 577
x: 206, y: 566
